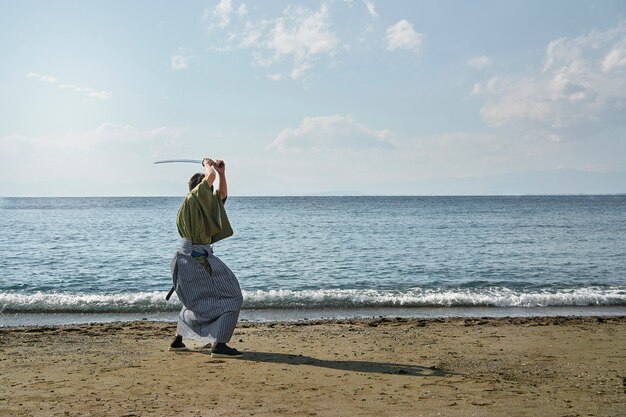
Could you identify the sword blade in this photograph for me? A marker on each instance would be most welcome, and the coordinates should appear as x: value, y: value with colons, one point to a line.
x: 168, y: 161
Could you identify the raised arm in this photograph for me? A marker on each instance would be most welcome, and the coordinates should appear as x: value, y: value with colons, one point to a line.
x: 220, y: 167
x: 209, y: 172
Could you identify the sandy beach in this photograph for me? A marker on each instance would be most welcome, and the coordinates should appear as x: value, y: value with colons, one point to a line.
x: 379, y: 367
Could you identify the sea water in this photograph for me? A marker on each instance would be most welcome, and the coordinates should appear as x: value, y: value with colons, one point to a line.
x: 311, y: 257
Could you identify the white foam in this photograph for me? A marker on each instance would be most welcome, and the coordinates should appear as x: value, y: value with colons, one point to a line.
x: 494, y: 297
x: 78, y: 302
x: 324, y: 298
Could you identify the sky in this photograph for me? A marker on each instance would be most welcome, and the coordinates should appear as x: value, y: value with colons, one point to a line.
x: 364, y: 97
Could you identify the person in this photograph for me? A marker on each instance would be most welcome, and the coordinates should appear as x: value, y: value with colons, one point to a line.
x: 207, y: 288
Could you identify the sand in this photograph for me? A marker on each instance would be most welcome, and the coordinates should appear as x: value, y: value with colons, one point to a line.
x: 380, y: 367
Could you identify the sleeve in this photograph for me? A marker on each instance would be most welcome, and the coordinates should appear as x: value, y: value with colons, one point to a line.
x: 216, y: 193
x: 202, y: 217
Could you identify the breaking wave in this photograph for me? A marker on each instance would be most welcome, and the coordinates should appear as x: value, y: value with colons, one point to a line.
x: 66, y: 302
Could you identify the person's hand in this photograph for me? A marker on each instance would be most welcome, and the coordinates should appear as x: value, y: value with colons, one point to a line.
x: 219, y: 166
x: 207, y: 162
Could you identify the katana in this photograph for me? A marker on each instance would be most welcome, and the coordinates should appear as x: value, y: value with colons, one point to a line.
x: 191, y: 161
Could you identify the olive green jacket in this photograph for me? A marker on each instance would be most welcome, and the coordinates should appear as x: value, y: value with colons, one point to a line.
x: 202, y: 217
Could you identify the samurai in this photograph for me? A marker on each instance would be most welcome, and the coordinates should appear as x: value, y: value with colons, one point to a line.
x: 206, y: 287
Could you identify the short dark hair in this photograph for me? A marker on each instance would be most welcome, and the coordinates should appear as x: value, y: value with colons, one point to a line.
x: 195, y: 180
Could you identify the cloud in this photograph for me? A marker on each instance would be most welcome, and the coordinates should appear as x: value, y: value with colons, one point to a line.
x: 181, y: 60
x: 301, y: 35
x: 616, y: 58
x: 104, y: 134
x: 292, y: 43
x: 338, y: 153
x: 296, y: 41
x: 220, y: 15
x: 403, y: 36
x: 109, y: 159
x: 480, y: 62
x: 371, y: 8
x: 578, y: 91
x: 42, y: 77
x: 88, y: 93
x: 242, y: 10
x: 331, y: 132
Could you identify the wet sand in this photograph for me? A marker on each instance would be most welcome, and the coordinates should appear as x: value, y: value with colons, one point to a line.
x: 551, y: 366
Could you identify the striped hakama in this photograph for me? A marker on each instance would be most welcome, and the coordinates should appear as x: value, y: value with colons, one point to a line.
x: 209, y: 292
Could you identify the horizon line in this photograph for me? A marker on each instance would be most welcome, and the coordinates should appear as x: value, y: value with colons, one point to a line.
x: 330, y: 195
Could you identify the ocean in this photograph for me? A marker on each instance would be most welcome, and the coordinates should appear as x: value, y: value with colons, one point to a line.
x: 302, y: 258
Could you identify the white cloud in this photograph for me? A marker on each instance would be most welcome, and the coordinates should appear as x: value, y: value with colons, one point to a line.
x: 77, y: 161
x: 339, y: 153
x: 616, y: 58
x: 88, y: 93
x: 331, y: 132
x: 480, y: 62
x: 299, y: 37
x: 222, y: 12
x: 371, y: 8
x: 105, y: 134
x: 580, y: 89
x: 242, y: 10
x: 42, y: 77
x: 181, y: 60
x: 221, y: 16
x: 252, y: 35
x: 403, y: 36
x: 302, y: 35
x: 456, y: 154
x: 488, y: 87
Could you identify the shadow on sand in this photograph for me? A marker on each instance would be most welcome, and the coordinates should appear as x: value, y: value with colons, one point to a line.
x: 344, y: 365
